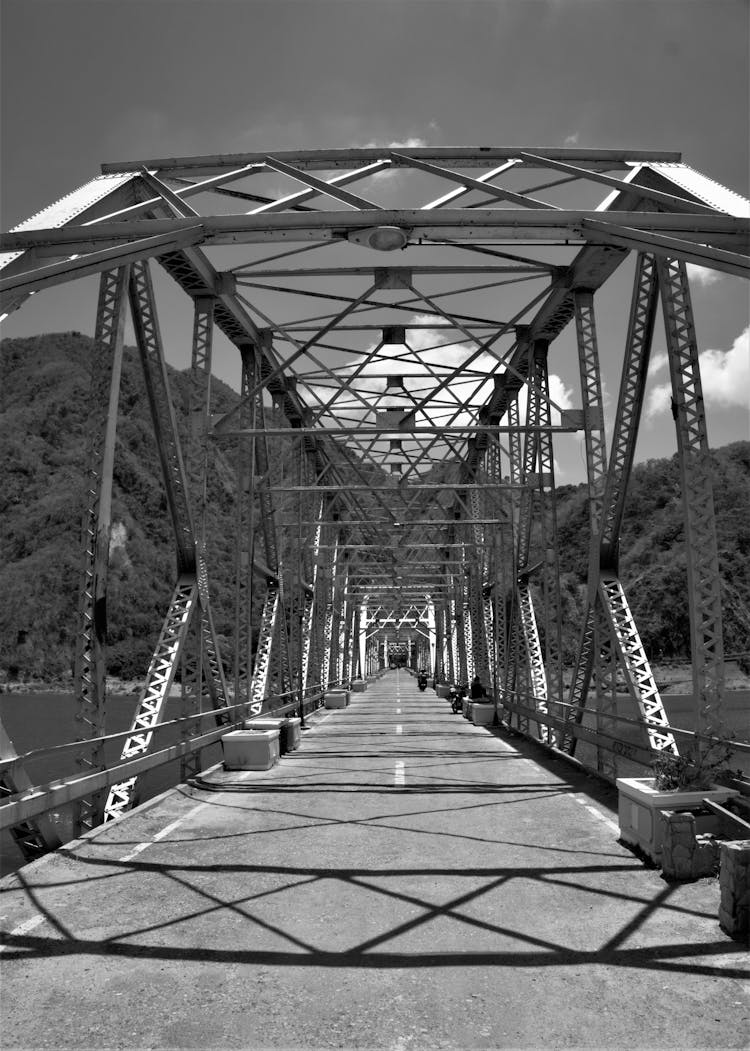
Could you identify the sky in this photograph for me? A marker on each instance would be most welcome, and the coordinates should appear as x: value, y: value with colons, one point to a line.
x: 92, y: 81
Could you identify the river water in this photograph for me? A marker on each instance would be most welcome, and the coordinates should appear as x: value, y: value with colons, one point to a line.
x: 42, y: 720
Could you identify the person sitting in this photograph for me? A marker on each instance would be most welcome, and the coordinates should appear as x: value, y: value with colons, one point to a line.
x: 477, y: 690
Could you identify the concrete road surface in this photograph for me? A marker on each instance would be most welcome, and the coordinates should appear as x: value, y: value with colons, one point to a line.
x: 403, y: 881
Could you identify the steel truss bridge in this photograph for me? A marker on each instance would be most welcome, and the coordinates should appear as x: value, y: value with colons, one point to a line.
x: 394, y: 313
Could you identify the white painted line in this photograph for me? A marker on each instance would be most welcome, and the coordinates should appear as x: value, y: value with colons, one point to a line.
x: 399, y: 777
x: 162, y: 833
x: 398, y: 711
x: 170, y: 828
x: 135, y: 852
x: 581, y: 800
x: 23, y: 928
x: 399, y: 729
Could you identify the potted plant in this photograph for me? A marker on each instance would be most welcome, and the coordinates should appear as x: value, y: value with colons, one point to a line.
x: 679, y: 783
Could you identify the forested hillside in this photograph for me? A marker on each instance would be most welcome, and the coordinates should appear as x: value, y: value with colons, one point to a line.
x: 653, y: 565
x: 43, y: 412
x: 45, y: 382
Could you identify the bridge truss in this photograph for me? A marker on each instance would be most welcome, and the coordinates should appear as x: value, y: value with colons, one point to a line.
x: 395, y: 314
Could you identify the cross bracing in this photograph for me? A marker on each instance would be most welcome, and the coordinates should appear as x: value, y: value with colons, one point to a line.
x: 396, y: 315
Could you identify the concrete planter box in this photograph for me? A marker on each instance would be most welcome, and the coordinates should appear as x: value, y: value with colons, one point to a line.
x: 289, y: 730
x: 466, y: 707
x: 482, y: 714
x: 250, y: 749
x: 640, y: 805
x: 359, y: 686
x: 442, y: 690
x: 293, y: 732
x: 337, y: 699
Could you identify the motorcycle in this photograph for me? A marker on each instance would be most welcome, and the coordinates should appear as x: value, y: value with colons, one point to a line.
x: 422, y: 682
x: 456, y: 697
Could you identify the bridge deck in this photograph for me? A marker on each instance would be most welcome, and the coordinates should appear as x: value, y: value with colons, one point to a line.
x: 404, y: 880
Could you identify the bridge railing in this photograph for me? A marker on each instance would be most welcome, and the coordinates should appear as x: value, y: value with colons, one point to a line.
x: 53, y: 795
x: 523, y: 707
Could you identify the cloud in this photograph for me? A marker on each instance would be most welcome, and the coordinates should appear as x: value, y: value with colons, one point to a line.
x: 657, y: 363
x: 702, y: 275
x: 571, y: 140
x: 659, y: 400
x: 725, y: 377
x: 415, y: 142
x: 411, y: 143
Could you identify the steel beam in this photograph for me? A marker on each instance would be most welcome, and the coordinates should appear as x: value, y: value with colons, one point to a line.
x: 528, y: 225
x: 704, y: 587
x: 608, y: 615
x: 90, y: 658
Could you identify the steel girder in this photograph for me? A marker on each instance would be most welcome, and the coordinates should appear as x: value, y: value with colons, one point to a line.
x: 704, y: 587
x: 192, y: 582
x: 90, y: 661
x: 707, y: 240
x: 509, y: 597
x: 244, y: 554
x: 341, y: 613
x: 550, y: 570
x: 311, y: 599
x: 329, y: 619
x: 272, y: 637
x: 263, y: 651
x: 602, y: 657
x: 159, y: 679
x: 90, y: 202
x: 146, y: 213
x: 202, y: 675
x: 536, y: 484
x: 464, y: 603
x: 607, y: 605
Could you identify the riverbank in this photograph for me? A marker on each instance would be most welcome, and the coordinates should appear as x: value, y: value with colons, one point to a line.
x: 118, y: 686
x: 670, y: 678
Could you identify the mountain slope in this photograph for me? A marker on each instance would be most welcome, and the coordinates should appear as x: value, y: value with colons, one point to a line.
x: 42, y: 434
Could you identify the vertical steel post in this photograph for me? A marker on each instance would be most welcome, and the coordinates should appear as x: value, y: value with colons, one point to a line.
x: 202, y: 678
x: 704, y: 587
x: 90, y: 660
x: 596, y: 473
x: 245, y: 532
x: 171, y: 644
x: 534, y: 483
x: 551, y: 560
x: 607, y: 604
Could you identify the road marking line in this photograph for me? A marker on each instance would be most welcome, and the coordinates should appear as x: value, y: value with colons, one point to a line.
x: 399, y: 729
x: 23, y: 928
x: 35, y: 921
x: 170, y: 828
x: 597, y: 813
x: 162, y: 833
x: 134, y: 852
x: 399, y: 777
x: 398, y: 711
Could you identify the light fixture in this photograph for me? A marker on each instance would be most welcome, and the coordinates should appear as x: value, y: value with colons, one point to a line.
x: 381, y: 238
